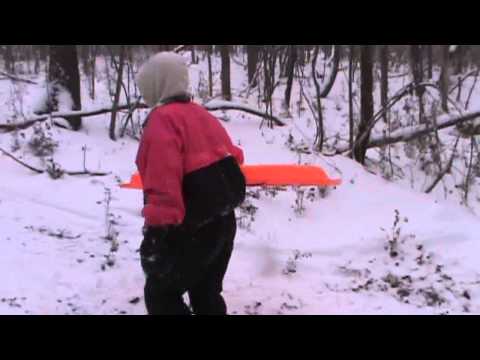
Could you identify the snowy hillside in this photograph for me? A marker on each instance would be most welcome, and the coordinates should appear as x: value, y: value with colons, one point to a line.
x: 369, y: 246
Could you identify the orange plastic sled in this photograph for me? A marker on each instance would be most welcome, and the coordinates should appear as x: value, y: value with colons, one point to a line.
x: 270, y: 175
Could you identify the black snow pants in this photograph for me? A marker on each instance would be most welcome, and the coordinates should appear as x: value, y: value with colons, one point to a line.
x: 189, y: 263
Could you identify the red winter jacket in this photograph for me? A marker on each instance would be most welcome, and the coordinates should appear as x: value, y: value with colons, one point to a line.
x: 179, y: 138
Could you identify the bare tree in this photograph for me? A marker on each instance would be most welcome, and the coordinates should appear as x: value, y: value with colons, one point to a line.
x: 93, y: 69
x: 459, y: 58
x: 210, y: 73
x: 350, y: 95
x: 269, y: 65
x: 416, y: 64
x: 430, y: 60
x: 366, y: 67
x: 252, y: 61
x: 36, y: 66
x: 193, y: 53
x: 9, y: 58
x: 225, y: 56
x: 320, y: 131
x: 444, y: 76
x: 290, y: 69
x: 118, y: 90
x: 384, y: 61
x: 64, y: 75
x: 334, y: 63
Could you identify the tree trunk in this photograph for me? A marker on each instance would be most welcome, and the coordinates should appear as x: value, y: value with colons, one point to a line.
x: 350, y: 95
x: 83, y: 55
x: 459, y: 59
x: 384, y: 61
x: 64, y: 75
x: 330, y: 81
x: 29, y: 58
x: 292, y: 60
x: 225, y: 56
x: 9, y: 59
x: 194, y: 57
x: 320, y: 130
x: 366, y: 68
x: 444, y: 76
x: 430, y: 61
x: 269, y: 64
x: 36, y: 67
x: 416, y: 63
x: 93, y: 66
x: 118, y: 89
x: 252, y: 60
x: 210, y: 72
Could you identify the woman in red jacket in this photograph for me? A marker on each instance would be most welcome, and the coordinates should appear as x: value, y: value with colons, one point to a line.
x: 192, y: 184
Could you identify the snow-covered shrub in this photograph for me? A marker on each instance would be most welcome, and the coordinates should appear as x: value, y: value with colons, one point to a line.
x: 41, y: 143
x: 394, y: 238
x: 299, y: 148
x: 111, y: 233
x: 53, y: 169
x: 271, y: 191
x: 292, y: 263
x: 248, y: 210
x: 299, y: 207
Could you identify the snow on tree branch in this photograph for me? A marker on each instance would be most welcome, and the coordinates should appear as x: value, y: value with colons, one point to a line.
x: 213, y: 105
x: 413, y: 132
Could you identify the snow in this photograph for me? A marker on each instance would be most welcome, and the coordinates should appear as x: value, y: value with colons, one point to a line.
x: 55, y: 259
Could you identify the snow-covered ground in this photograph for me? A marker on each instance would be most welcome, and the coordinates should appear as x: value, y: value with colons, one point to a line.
x: 327, y: 254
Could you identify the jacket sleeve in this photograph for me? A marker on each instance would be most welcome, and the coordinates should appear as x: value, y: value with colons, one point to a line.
x: 163, y: 174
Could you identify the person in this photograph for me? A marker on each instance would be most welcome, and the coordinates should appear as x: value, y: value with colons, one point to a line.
x: 193, y: 182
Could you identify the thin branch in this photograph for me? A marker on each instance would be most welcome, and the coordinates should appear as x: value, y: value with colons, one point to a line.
x: 6, y: 153
x: 179, y: 48
x: 469, y: 172
x: 16, y: 78
x: 461, y: 80
x: 40, y: 171
x: 471, y: 89
x: 89, y: 173
x: 215, y: 105
x: 445, y: 171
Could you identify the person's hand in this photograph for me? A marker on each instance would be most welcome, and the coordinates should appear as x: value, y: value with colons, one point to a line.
x: 158, y: 250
